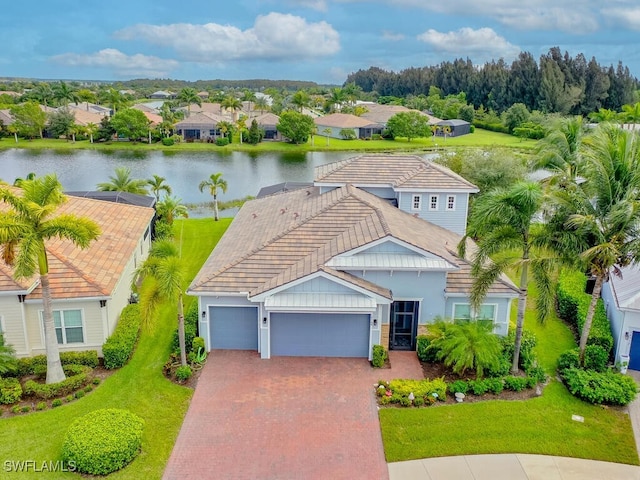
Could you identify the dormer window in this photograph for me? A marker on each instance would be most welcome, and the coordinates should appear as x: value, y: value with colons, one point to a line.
x: 451, y: 202
x: 416, y: 202
x: 433, y: 202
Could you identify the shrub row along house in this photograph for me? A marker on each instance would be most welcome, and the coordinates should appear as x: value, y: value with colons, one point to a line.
x: 365, y: 256
x: 89, y: 287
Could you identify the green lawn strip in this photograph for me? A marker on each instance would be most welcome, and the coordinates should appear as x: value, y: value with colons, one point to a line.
x: 541, y: 425
x: 139, y: 387
x: 480, y: 138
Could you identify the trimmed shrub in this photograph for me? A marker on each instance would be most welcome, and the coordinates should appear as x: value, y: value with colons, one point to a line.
x: 222, y: 141
x: 596, y: 387
x: 37, y: 364
x: 103, y: 441
x: 119, y: 347
x: 56, y: 403
x: 78, y: 379
x: 459, y: 386
x: 198, y: 342
x: 425, y: 350
x: 183, y: 373
x: 190, y: 330
x: 527, y: 355
x: 41, y: 406
x: 348, y: 134
x: 168, y: 141
x: 568, y: 359
x: 495, y: 385
x: 10, y: 391
x: 595, y: 358
x: 419, y: 388
x: 479, y: 387
x: 379, y: 356
x: 87, y: 357
x: 573, y: 303
x: 537, y: 374
x: 515, y: 384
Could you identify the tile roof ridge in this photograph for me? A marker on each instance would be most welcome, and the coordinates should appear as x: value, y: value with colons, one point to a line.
x: 69, y: 264
x: 335, y: 166
x: 355, y: 191
x: 448, y: 172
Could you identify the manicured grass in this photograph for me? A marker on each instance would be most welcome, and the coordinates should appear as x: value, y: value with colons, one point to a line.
x: 480, y: 138
x: 139, y: 387
x: 541, y: 425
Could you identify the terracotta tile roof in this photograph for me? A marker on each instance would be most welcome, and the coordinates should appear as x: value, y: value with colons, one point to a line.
x: 382, y: 113
x: 398, y: 171
x: 95, y: 271
x: 267, y: 118
x: 342, y: 120
x: 201, y: 119
x: 284, y: 237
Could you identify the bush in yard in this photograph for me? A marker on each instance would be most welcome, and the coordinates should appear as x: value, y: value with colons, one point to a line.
x: 479, y: 387
x: 10, y: 391
x: 120, y: 345
x: 198, y: 342
x: 568, y: 359
x: 527, y: 355
x: 87, y: 357
x: 495, y: 385
x: 598, y: 388
x: 222, y: 141
x: 537, y: 374
x: 190, y: 331
x: 103, y: 441
x: 183, y: 373
x: 459, y: 386
x: 425, y: 350
x: 595, y: 358
x: 420, y: 388
x: 56, y: 403
x: 78, y: 378
x: 34, y: 365
x: 515, y: 384
x: 168, y: 141
x: 379, y: 356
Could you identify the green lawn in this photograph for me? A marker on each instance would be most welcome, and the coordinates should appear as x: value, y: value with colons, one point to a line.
x: 480, y: 138
x: 139, y: 387
x: 539, y: 426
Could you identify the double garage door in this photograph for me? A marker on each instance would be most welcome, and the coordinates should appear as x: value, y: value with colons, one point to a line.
x: 292, y: 334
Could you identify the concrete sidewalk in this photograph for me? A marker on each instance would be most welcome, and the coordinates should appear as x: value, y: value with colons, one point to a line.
x: 510, y: 467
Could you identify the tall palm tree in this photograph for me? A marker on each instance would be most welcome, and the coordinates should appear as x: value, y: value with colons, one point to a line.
x: 189, y: 96
x: 169, y: 208
x: 226, y: 128
x: 250, y: 97
x: 231, y: 103
x: 113, y: 98
x: 91, y: 129
x: 122, y: 182
x: 64, y: 94
x: 503, y: 221
x: 25, y: 228
x: 157, y: 185
x: 261, y: 104
x: 213, y: 183
x: 602, y: 214
x: 559, y: 151
x: 301, y: 99
x: 161, y: 277
x: 43, y: 93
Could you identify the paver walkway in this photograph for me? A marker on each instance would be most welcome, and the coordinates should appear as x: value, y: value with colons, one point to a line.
x: 285, y: 418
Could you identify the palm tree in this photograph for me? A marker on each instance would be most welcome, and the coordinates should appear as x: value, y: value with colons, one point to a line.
x: 241, y: 126
x: 213, y: 183
x: 64, y: 94
x: 231, y: 103
x: 189, y: 96
x: 631, y: 114
x: 161, y: 278
x: 249, y: 96
x: 43, y: 93
x: 559, y: 151
x: 301, y: 99
x: 169, y: 208
x: 602, y: 214
x: 261, y: 104
x: 122, y: 182
x: 113, y: 98
x: 91, y: 129
x: 157, y: 185
x: 603, y: 115
x: 226, y: 128
x: 18, y: 181
x: 503, y: 220
x: 25, y: 228
x: 327, y: 132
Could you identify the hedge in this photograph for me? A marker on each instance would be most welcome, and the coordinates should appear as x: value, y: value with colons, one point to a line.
x: 573, y: 303
x: 33, y: 365
x: 379, y: 356
x: 190, y: 330
x: 118, y: 348
x: 10, y: 391
x: 78, y: 379
x: 598, y: 388
x: 419, y: 388
x: 103, y: 441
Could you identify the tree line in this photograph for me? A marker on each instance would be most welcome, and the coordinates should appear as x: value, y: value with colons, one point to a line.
x: 557, y: 83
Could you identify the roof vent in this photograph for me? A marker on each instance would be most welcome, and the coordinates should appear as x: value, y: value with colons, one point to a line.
x: 296, y: 214
x: 255, y: 215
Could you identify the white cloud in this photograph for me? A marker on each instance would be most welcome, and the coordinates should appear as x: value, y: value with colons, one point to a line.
x: 273, y: 36
x: 392, y: 37
x: 627, y: 17
x: 480, y: 45
x: 122, y: 64
x: 319, y: 5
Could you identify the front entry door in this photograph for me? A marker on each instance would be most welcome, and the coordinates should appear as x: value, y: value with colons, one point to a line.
x: 634, y: 352
x: 404, y: 325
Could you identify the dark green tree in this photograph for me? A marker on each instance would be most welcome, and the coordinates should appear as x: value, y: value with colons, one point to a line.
x: 130, y: 123
x: 409, y: 124
x: 295, y: 126
x: 255, y: 133
x: 62, y: 122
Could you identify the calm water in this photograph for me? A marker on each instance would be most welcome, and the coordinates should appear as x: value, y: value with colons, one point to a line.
x: 245, y: 173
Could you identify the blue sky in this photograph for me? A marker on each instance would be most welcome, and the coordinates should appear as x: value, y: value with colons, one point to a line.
x: 317, y: 40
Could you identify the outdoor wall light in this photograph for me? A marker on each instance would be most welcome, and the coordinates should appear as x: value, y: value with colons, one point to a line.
x: 204, y: 314
x: 264, y: 321
x: 626, y: 335
x: 375, y: 322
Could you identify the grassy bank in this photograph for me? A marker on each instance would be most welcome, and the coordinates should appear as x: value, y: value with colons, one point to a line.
x: 139, y: 387
x: 480, y: 138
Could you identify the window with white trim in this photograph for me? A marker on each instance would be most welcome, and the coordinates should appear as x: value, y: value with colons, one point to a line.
x: 416, y: 202
x: 462, y: 312
x: 433, y: 202
x: 451, y: 202
x: 69, y: 326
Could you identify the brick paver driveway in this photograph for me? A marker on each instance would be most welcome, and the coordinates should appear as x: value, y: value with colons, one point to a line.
x: 284, y: 418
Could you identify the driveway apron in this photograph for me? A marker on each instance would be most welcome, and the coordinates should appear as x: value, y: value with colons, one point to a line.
x: 284, y: 418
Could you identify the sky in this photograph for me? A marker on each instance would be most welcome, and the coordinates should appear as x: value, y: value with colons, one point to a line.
x: 313, y: 40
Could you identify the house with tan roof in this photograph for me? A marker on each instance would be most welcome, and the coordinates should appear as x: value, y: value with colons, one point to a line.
x: 200, y: 126
x: 333, y: 269
x: 334, y: 124
x: 268, y: 122
x: 89, y: 287
x: 381, y: 113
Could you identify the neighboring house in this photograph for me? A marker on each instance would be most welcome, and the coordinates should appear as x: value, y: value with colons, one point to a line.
x: 163, y: 95
x: 203, y: 94
x: 621, y: 297
x: 322, y: 271
x: 267, y: 122
x: 89, y: 287
x: 417, y: 186
x: 200, y: 126
x: 6, y: 118
x: 455, y: 128
x: 90, y: 108
x: 378, y: 113
x: 337, y: 122
x: 84, y: 118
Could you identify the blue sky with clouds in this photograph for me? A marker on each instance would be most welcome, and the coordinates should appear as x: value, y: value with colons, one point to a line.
x: 317, y: 40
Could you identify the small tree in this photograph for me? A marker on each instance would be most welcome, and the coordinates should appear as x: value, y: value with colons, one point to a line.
x: 28, y: 119
x: 256, y: 134
x: 295, y: 126
x: 130, y: 123
x: 409, y: 124
x: 122, y: 182
x: 157, y: 185
x: 213, y: 183
x: 62, y: 122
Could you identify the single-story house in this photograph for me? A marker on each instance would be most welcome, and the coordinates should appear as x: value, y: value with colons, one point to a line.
x: 324, y: 271
x: 89, y: 287
x: 621, y: 296
x: 163, y: 95
x: 200, y: 126
x: 453, y: 128
x: 333, y: 125
x: 380, y: 113
x: 267, y: 122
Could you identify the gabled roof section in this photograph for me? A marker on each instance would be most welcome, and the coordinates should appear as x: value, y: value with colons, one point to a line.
x: 281, y: 238
x: 409, y: 172
x: 626, y: 289
x: 342, y: 120
x: 95, y: 271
